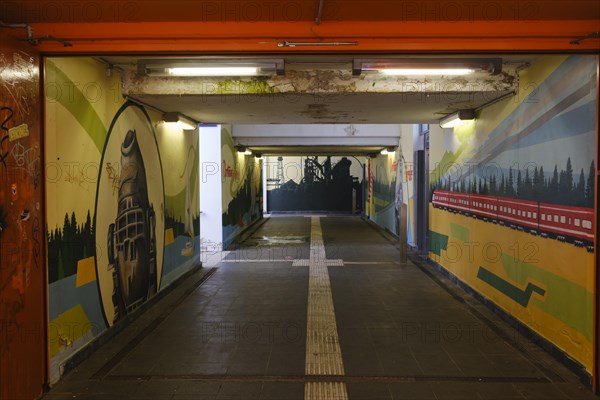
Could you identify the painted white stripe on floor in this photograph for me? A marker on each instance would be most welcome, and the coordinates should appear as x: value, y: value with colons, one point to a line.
x: 211, y: 259
x: 306, y: 263
x: 266, y: 261
x: 370, y: 262
x: 323, y: 353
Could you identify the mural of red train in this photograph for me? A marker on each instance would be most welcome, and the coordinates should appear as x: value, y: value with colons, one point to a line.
x: 565, y: 223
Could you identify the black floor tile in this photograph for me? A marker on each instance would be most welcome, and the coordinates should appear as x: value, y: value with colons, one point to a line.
x: 411, y: 390
x: 282, y: 391
x: 368, y: 391
x: 242, y: 333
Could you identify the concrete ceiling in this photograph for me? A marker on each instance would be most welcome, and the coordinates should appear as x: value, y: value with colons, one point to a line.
x: 339, y: 150
x: 321, y: 139
x: 318, y: 89
x: 358, y: 108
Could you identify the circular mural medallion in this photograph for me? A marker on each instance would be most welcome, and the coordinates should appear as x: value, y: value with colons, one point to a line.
x: 129, y: 219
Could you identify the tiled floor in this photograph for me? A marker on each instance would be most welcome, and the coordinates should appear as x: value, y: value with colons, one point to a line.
x: 238, y: 331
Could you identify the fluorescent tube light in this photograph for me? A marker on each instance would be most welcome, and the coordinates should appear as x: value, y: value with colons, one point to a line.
x: 427, y: 71
x: 457, y: 118
x: 427, y: 66
x: 212, y: 71
x: 195, y: 66
x: 388, y: 150
x: 181, y: 121
x: 452, y: 122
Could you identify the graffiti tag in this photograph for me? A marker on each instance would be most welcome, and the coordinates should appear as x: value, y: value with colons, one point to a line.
x: 114, y: 176
x: 21, y: 69
x: 77, y: 176
x: 230, y: 172
x: 5, y: 136
x: 27, y: 159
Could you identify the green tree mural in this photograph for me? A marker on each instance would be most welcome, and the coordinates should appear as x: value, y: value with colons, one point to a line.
x: 68, y: 245
x: 564, y: 187
x: 589, y: 188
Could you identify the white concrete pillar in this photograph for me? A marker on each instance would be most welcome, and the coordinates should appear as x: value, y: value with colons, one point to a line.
x: 211, y: 209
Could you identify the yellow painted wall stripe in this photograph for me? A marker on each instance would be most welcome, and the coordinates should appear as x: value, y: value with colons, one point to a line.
x: 86, y: 271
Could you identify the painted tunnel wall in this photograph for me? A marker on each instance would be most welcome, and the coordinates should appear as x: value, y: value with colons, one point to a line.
x: 407, y: 178
x: 122, y: 204
x: 390, y: 180
x: 512, y: 213
x: 22, y: 267
x: 381, y: 202
x: 242, y: 193
x: 385, y: 189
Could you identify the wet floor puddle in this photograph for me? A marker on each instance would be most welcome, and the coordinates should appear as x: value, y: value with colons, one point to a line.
x: 277, y: 240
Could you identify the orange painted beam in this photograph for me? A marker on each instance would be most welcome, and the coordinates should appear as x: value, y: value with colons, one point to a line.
x: 61, y: 11
x: 368, y: 29
x: 433, y: 46
x: 262, y: 37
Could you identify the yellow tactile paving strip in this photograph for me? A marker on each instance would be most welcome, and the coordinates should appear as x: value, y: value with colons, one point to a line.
x: 325, y: 390
x: 323, y: 353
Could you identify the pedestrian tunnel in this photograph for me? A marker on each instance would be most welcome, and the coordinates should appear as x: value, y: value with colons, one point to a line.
x: 332, y: 222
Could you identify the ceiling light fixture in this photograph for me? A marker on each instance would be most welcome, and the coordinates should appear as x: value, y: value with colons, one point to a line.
x: 388, y: 150
x: 427, y: 66
x: 457, y: 118
x: 243, y: 150
x: 180, y: 120
x: 211, y: 67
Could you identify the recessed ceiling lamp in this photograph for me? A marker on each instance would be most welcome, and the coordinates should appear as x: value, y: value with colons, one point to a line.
x: 457, y: 118
x: 427, y: 66
x: 211, y: 67
x: 388, y: 150
x: 180, y: 120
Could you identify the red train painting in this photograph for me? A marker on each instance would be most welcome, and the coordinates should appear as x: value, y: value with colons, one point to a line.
x: 565, y: 223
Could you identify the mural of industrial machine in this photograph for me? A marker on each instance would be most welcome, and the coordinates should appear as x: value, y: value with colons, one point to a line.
x: 324, y: 187
x: 131, y: 238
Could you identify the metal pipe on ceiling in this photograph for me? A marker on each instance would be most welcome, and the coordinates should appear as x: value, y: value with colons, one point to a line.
x: 27, y: 27
x: 34, y: 41
x: 285, y: 43
x: 319, y: 12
